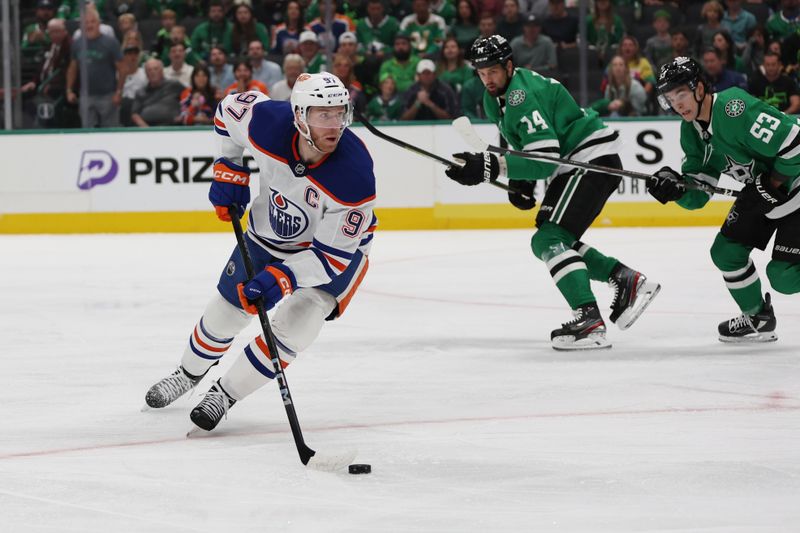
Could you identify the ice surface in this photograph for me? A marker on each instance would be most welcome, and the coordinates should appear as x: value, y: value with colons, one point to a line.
x: 440, y: 373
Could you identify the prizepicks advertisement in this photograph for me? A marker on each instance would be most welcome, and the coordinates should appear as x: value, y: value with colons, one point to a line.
x: 141, y: 171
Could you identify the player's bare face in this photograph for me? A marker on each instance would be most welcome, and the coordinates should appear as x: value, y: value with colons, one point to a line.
x: 683, y: 102
x: 494, y: 78
x: 326, y: 125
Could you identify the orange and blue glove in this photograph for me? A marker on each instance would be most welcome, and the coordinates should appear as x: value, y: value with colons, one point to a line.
x: 231, y: 185
x: 271, y: 284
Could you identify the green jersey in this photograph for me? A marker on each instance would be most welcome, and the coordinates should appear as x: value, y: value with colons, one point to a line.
x: 402, y: 73
x: 746, y: 138
x: 539, y: 115
x: 376, y: 38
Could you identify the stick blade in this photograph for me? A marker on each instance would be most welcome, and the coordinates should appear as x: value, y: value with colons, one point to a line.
x: 332, y: 462
x: 467, y: 131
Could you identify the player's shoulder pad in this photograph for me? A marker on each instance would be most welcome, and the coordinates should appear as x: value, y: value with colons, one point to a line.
x: 271, y: 126
x: 734, y: 103
x: 347, y: 174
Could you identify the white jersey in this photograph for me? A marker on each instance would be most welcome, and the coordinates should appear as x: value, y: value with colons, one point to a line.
x: 313, y: 217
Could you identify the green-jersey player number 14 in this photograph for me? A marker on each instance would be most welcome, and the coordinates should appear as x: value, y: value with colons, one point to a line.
x: 537, y: 122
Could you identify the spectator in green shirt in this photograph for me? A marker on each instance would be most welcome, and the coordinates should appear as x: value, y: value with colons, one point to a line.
x: 465, y: 28
x: 425, y: 29
x: 245, y: 29
x: 785, y: 22
x: 401, y: 67
x: 387, y: 105
x: 34, y: 36
x: 452, y: 68
x: 212, y: 32
x: 472, y: 98
x: 376, y: 31
x: 309, y: 50
x: 445, y: 9
x: 604, y: 28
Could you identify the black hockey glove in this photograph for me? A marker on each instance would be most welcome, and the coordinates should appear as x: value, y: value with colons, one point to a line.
x: 520, y: 188
x: 478, y: 167
x: 666, y: 185
x: 761, y: 196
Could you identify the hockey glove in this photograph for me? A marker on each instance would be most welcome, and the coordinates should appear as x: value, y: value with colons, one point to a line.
x: 478, y: 168
x: 271, y: 284
x: 666, y: 185
x: 520, y: 188
x: 761, y: 196
x: 231, y: 185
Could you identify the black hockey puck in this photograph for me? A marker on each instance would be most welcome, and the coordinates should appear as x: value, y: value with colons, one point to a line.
x: 359, y: 469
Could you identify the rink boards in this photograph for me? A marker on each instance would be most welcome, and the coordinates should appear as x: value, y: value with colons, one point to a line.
x: 157, y: 181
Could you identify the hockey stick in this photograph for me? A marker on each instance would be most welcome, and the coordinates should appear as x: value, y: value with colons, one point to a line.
x: 464, y: 127
x: 308, y: 456
x: 419, y: 151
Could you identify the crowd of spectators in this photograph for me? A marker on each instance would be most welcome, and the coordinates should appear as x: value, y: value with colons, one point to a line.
x: 168, y: 62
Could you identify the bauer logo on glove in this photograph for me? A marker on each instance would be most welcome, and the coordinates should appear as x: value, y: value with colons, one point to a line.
x: 478, y: 167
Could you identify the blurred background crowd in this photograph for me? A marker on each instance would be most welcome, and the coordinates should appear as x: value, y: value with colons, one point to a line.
x: 168, y: 62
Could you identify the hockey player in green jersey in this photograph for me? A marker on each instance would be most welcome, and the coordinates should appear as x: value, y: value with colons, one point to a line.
x: 736, y: 134
x: 537, y: 114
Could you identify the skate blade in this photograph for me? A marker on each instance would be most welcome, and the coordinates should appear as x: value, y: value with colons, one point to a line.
x: 145, y: 408
x: 568, y: 343
x: 644, y: 295
x: 332, y: 462
x: 196, y: 432
x: 750, y: 339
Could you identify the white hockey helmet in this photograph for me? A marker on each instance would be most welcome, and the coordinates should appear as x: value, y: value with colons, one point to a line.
x: 319, y: 90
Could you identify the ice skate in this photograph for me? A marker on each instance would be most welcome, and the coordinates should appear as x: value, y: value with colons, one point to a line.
x: 759, y: 327
x: 586, y: 331
x: 171, y: 388
x: 212, y: 408
x: 632, y: 294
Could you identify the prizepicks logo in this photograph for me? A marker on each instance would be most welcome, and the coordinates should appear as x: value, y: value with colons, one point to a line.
x: 98, y: 167
x: 287, y: 219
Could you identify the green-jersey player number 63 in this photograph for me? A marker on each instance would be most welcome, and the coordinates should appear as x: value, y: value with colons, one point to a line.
x: 764, y: 127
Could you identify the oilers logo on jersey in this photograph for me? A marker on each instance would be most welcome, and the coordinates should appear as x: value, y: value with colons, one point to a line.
x: 288, y: 220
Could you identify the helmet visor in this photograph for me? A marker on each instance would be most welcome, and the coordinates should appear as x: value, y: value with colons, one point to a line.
x: 680, y: 95
x: 338, y: 117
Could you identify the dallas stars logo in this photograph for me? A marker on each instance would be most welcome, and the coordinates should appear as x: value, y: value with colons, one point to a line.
x: 516, y: 97
x: 739, y: 172
x: 734, y: 108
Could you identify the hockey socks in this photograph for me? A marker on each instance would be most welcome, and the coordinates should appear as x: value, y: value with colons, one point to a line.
x: 552, y: 244
x: 212, y: 335
x: 598, y: 265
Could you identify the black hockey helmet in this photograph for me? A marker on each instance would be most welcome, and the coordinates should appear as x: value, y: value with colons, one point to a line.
x: 488, y: 51
x: 680, y: 71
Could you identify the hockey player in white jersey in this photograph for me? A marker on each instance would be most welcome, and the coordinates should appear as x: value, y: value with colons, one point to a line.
x: 309, y: 233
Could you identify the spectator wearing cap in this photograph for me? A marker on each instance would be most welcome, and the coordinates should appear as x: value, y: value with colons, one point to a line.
x: 376, y: 31
x: 658, y: 48
x: 532, y: 50
x: 339, y: 24
x: 510, y: 24
x: 429, y: 98
x: 310, y: 52
x: 293, y: 66
x: 212, y: 32
x: 286, y: 35
x: 220, y: 70
x: 465, y: 27
x: 387, y: 105
x: 402, y: 66
x: 178, y: 68
x: 245, y: 30
x: 244, y: 80
x: 425, y: 29
x: 739, y: 22
x: 264, y: 70
x: 34, y: 35
x: 158, y: 103
x: 559, y: 25
x: 774, y: 87
x: 103, y: 58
